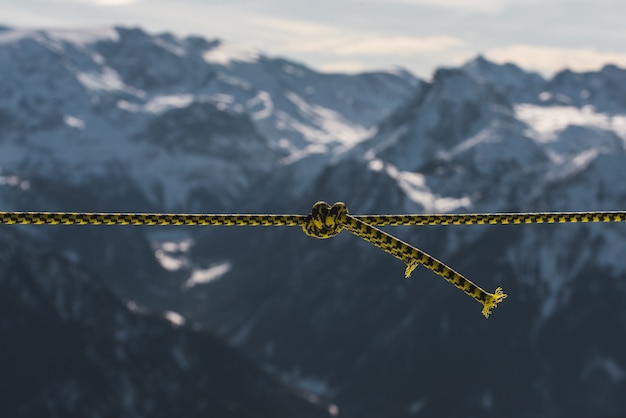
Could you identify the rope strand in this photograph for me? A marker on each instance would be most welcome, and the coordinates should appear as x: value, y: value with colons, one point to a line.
x: 495, y: 218
x: 82, y: 218
x: 326, y: 221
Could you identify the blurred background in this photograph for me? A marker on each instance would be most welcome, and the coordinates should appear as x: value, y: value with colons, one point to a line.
x: 402, y: 106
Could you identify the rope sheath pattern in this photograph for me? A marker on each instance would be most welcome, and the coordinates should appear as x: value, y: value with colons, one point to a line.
x: 494, y: 218
x: 75, y: 218
x: 326, y: 221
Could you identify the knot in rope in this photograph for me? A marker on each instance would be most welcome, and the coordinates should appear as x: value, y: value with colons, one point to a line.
x: 325, y: 221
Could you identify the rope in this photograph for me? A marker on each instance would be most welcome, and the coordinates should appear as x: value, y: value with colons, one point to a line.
x: 495, y: 218
x: 326, y: 221
x: 76, y: 218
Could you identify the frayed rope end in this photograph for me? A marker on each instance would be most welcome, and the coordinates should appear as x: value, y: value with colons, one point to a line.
x: 410, y: 266
x: 492, y: 301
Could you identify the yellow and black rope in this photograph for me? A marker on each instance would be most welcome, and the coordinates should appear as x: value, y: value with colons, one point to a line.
x: 77, y: 218
x: 326, y: 221
x: 495, y: 218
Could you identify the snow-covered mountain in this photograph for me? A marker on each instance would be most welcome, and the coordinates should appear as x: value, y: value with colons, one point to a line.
x: 118, y: 119
x: 172, y: 113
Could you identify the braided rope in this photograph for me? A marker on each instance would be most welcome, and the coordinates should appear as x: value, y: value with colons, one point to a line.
x: 77, y: 218
x: 495, y: 218
x: 326, y: 221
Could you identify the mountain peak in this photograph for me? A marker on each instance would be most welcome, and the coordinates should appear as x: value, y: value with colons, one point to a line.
x: 479, y: 61
x: 508, y: 78
x: 602, y: 89
x: 482, y: 63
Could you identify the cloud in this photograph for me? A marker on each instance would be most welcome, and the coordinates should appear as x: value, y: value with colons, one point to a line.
x: 552, y: 59
x: 343, y: 67
x: 304, y: 37
x: 375, y: 44
x: 483, y: 6
x: 106, y: 2
x: 114, y: 2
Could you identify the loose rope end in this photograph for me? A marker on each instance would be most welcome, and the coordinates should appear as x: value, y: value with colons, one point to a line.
x: 492, y: 301
x: 410, y: 266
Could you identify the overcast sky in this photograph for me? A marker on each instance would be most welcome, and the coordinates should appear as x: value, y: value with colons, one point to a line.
x: 355, y: 35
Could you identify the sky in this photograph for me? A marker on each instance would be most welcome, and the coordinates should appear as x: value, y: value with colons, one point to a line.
x: 362, y: 35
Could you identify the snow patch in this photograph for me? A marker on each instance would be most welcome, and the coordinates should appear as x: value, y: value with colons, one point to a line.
x: 225, y: 54
x: 170, y: 47
x: 303, y: 153
x: 159, y: 104
x: 583, y: 159
x: 375, y: 165
x: 173, y: 254
x: 134, y: 307
x: 97, y: 58
x: 291, y: 70
x: 169, y: 262
x: 173, y: 246
x: 84, y: 37
x: 570, y: 166
x: 215, y: 272
x: 260, y: 106
x: 174, y: 317
x: 325, y: 125
x: 74, y: 122
x: 14, y: 181
x: 77, y: 37
x: 544, y: 96
x: 106, y: 80
x: 545, y: 122
x: 415, y: 188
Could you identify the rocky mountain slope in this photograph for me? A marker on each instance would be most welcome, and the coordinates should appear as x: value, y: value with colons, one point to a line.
x: 71, y: 347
